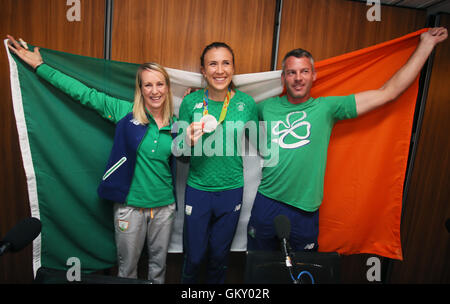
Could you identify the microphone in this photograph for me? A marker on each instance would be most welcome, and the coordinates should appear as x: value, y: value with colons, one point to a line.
x: 20, y: 235
x: 283, y: 230
x: 282, y: 226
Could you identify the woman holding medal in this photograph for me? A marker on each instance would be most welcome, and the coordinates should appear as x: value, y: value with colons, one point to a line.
x: 216, y: 116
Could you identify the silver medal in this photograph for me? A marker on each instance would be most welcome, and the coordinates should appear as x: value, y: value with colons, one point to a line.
x: 209, y: 123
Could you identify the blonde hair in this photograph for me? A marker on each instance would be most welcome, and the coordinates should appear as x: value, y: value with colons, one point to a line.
x: 139, y: 112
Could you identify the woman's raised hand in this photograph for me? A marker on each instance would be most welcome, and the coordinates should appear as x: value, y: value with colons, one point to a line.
x: 34, y: 59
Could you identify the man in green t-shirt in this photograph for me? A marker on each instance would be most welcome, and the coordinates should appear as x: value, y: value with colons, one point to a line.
x: 301, y: 127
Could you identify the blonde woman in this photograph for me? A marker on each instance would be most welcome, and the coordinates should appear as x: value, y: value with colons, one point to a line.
x: 138, y: 176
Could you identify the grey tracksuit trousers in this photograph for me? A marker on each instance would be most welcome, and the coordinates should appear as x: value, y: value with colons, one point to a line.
x: 133, y: 226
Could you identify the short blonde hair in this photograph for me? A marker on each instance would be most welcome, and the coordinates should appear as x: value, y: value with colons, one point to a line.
x: 139, y: 112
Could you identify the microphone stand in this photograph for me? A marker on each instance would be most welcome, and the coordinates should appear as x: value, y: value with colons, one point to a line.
x: 4, y: 247
x: 289, y: 261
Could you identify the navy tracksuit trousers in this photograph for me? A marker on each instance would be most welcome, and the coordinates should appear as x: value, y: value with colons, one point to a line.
x: 210, y: 223
x: 261, y: 230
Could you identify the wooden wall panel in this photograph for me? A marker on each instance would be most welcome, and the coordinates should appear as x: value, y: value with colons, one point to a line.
x: 425, y: 240
x: 328, y: 28
x: 42, y: 23
x: 174, y: 32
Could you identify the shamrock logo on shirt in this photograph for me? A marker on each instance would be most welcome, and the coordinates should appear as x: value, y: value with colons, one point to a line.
x: 289, y: 129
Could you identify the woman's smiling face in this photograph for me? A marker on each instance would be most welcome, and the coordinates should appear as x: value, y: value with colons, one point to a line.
x: 218, y: 68
x: 154, y: 89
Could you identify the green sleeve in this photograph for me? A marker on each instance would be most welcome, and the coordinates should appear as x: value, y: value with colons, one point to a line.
x: 344, y: 107
x: 107, y: 106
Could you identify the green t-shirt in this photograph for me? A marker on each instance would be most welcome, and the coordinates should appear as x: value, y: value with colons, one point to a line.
x: 302, y: 133
x: 151, y: 185
x: 216, y: 159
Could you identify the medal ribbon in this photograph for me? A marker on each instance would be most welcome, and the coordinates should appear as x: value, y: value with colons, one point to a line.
x: 223, y: 113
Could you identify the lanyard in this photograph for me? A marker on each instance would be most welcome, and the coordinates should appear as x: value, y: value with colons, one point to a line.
x: 223, y: 113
